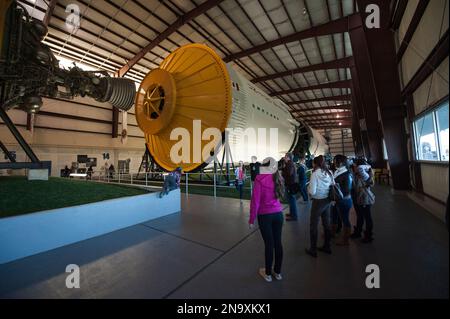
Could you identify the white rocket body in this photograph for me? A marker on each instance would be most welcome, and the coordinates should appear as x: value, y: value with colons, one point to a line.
x: 255, y: 110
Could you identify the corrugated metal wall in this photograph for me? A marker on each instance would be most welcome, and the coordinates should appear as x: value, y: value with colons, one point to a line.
x: 340, y: 141
x: 432, y: 27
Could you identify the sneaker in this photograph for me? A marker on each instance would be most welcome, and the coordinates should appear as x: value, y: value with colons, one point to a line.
x: 324, y: 249
x: 367, y: 240
x: 310, y: 252
x: 355, y: 235
x: 277, y: 276
x: 262, y: 272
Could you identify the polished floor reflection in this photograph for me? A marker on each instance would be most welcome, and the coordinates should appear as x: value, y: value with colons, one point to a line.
x: 208, y: 251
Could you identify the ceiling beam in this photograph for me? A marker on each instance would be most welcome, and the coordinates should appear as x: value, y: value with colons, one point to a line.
x: 430, y: 64
x: 339, y: 120
x: 183, y: 19
x: 335, y: 64
x: 327, y: 98
x: 342, y: 119
x: 346, y: 84
x: 337, y: 107
x: 420, y: 10
x: 335, y: 26
x: 330, y: 126
x: 49, y: 12
x: 398, y: 13
x: 333, y: 114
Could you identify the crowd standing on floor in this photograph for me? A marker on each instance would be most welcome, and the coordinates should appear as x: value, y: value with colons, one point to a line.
x: 336, y: 189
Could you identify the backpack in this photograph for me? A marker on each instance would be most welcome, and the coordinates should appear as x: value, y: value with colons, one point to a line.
x: 335, y: 193
x: 365, y: 196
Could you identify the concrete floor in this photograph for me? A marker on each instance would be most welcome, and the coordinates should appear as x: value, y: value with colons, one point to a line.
x: 208, y: 251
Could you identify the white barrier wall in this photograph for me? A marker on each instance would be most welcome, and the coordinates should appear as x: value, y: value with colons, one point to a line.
x: 26, y: 235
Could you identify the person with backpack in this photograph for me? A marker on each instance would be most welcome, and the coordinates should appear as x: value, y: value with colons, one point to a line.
x: 302, y: 179
x: 265, y: 206
x: 335, y: 219
x: 319, y: 189
x: 343, y: 178
x: 291, y: 184
x: 365, y: 198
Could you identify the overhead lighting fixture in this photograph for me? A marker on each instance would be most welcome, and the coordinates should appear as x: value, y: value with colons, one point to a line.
x: 340, y: 123
x: 338, y: 103
x: 337, y: 116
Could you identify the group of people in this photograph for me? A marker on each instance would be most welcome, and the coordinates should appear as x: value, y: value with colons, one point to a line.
x: 171, y: 181
x: 335, y: 190
x: 67, y: 171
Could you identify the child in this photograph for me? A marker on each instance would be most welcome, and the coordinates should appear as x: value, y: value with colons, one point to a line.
x: 364, y: 171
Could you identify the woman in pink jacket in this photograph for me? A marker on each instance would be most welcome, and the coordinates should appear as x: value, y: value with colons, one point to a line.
x: 265, y: 206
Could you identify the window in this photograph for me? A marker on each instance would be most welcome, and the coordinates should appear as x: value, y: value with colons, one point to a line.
x: 442, y: 128
x: 431, y: 132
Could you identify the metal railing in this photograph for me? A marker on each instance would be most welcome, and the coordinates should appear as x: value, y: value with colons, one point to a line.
x: 207, y: 183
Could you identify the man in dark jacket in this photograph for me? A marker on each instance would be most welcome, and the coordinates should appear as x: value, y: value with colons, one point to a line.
x: 290, y: 179
x: 302, y: 178
x: 254, y: 168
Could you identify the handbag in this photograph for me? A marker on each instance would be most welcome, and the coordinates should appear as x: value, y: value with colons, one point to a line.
x: 335, y: 193
x: 366, y: 197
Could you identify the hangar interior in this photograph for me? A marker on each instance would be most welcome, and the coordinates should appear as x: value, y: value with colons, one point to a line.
x: 380, y: 93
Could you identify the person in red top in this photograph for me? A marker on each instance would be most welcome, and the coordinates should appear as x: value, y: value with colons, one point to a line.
x: 265, y: 206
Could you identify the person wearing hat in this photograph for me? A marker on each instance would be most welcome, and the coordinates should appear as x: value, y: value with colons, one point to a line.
x: 265, y: 206
x: 171, y: 182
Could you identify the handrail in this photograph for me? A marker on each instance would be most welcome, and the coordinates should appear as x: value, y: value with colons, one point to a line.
x: 156, y: 179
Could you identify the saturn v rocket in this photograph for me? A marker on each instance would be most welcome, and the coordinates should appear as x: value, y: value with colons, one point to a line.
x: 193, y: 84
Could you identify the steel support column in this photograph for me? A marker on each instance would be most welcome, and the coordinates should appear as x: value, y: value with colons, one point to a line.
x: 115, y: 122
x: 356, y: 129
x: 365, y: 99
x: 7, y: 153
x: 381, y: 67
x: 15, y: 132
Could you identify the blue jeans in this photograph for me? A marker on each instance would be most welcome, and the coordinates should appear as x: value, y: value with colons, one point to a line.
x: 303, y: 190
x: 363, y: 214
x: 240, y: 189
x: 343, y: 207
x: 335, y: 218
x: 292, y: 204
